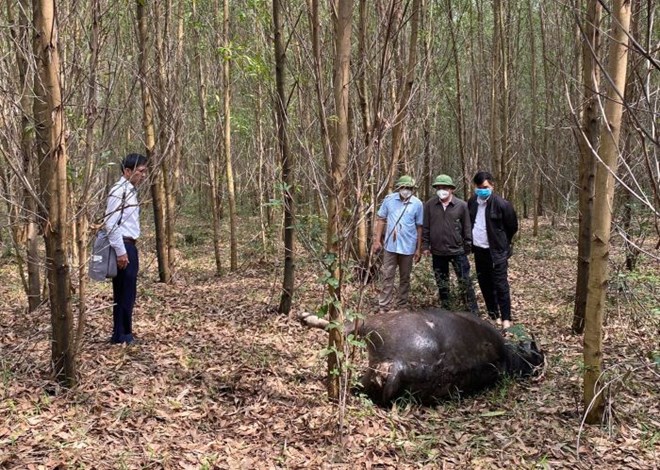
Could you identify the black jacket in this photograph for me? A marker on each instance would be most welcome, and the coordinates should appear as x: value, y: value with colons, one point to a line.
x: 501, y: 224
x: 446, y: 232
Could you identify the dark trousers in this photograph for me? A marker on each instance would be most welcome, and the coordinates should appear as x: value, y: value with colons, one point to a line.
x: 124, y: 290
x: 493, y: 282
x: 461, y: 267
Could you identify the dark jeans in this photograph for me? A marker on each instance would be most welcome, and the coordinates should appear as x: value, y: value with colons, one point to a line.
x: 493, y: 282
x: 124, y: 290
x: 461, y: 267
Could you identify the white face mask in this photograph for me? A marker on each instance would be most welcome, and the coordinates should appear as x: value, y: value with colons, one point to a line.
x: 405, y: 193
x: 443, y: 193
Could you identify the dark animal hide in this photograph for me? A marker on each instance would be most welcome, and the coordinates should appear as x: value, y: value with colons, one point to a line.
x: 433, y: 354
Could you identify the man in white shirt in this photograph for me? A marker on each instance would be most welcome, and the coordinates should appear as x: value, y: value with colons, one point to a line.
x: 122, y: 222
x: 494, y: 223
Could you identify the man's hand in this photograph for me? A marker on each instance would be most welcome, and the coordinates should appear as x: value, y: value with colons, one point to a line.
x: 417, y: 256
x: 122, y: 261
x: 376, y: 247
x: 426, y: 252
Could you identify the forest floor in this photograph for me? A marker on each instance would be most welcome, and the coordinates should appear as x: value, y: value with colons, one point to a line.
x: 218, y: 379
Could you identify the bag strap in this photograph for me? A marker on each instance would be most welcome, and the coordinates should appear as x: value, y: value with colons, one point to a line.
x: 123, y: 205
x: 405, y: 206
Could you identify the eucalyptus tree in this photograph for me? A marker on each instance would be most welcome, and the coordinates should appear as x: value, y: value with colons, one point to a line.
x: 26, y: 204
x: 639, y: 206
x: 405, y: 81
x: 587, y: 137
x: 226, y: 82
x: 52, y: 161
x: 158, y: 193
x: 342, y: 13
x: 163, y: 181
x: 203, y: 47
x: 606, y: 169
x: 280, y: 103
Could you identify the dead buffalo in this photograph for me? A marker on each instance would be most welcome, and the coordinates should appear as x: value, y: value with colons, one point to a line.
x: 434, y: 354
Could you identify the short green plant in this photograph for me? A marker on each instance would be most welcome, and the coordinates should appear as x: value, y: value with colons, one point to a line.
x: 542, y: 462
x: 209, y: 462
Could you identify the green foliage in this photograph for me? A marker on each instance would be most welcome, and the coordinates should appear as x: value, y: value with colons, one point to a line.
x: 407, y: 400
x: 542, y: 462
x: 504, y: 387
x: 311, y: 231
x: 332, y: 350
x: 6, y: 373
x: 519, y: 333
x: 330, y: 280
x: 650, y: 436
x: 655, y: 357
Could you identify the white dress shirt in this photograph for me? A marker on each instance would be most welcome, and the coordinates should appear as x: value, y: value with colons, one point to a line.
x: 479, y: 233
x: 122, y: 215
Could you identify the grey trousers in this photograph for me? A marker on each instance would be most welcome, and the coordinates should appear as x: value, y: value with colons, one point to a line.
x: 387, y: 299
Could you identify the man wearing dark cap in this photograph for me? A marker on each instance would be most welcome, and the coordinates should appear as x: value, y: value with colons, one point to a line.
x: 447, y: 237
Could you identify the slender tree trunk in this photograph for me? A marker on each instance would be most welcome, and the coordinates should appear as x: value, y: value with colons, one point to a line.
x: 633, y: 94
x: 231, y: 196
x: 362, y: 192
x: 496, y: 90
x: 501, y: 97
x: 157, y: 185
x: 161, y: 188
x: 51, y: 153
x: 479, y: 85
x: 587, y: 138
x: 365, y: 193
x: 404, y: 93
x: 534, y: 155
x: 602, y: 211
x: 342, y: 18
x: 262, y: 172
x: 459, y: 99
x: 210, y: 156
x: 548, y: 86
x: 287, y: 162
x: 82, y: 221
x: 318, y: 78
x: 177, y: 92
x: 21, y: 36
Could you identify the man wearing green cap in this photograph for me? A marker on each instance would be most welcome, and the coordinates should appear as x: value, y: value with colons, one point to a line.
x: 447, y: 236
x: 402, y: 214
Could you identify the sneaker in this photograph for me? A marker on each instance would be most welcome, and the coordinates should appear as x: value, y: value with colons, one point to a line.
x: 498, y: 321
x: 506, y: 324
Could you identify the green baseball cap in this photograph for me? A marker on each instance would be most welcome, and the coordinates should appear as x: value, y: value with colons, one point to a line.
x: 405, y: 181
x: 443, y: 180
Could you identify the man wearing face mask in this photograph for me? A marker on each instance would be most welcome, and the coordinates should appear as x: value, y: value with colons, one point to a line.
x: 447, y: 236
x: 400, y: 217
x: 494, y: 223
